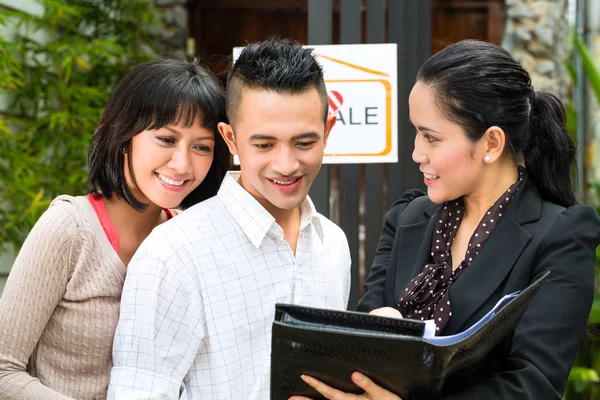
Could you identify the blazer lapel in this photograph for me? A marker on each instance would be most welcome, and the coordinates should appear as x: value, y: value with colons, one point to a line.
x: 496, y: 258
x: 491, y: 266
x: 414, y: 250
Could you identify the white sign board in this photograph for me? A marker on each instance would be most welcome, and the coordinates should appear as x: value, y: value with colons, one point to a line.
x: 362, y: 87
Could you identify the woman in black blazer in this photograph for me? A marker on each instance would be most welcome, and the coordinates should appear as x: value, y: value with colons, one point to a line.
x: 499, y: 212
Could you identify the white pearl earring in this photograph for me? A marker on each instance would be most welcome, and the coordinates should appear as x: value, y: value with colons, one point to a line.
x: 487, y: 159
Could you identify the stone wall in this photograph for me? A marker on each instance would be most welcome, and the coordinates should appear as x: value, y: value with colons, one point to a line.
x: 536, y: 34
x: 172, y: 38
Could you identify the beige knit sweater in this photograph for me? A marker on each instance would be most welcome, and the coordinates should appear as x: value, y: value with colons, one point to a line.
x: 60, y: 308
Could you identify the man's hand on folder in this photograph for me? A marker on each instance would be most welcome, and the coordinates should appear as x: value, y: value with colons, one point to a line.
x: 372, y: 391
x: 387, y: 312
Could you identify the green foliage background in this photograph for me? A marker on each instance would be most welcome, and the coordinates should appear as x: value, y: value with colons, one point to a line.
x: 584, y: 380
x: 59, y: 70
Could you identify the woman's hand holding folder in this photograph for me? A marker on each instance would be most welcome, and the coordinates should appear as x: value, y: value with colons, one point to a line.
x: 372, y: 390
x: 388, y: 312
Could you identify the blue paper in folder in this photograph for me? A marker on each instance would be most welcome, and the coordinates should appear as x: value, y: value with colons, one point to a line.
x: 429, y: 334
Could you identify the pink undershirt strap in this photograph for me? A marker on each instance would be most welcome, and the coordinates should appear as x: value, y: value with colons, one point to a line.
x: 107, y: 225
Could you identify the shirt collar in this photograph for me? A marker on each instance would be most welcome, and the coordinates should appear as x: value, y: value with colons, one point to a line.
x: 309, y: 215
x: 253, y: 218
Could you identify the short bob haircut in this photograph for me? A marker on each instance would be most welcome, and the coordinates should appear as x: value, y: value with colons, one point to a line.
x: 154, y: 95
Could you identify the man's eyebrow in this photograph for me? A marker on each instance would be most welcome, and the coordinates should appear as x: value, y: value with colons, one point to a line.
x: 307, y: 135
x: 260, y: 136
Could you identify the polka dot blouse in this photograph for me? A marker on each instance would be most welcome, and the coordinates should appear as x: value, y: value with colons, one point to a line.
x: 426, y: 295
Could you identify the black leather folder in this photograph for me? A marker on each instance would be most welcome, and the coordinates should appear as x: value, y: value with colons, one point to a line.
x: 329, y: 345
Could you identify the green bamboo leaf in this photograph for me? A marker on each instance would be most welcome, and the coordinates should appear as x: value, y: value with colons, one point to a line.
x: 82, y: 63
x: 581, y: 377
x: 67, y: 68
x: 571, y: 70
x: 571, y: 118
x: 594, y: 317
x: 590, y: 68
x: 37, y: 199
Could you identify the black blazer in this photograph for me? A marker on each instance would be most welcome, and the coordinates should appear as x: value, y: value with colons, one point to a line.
x: 532, y: 237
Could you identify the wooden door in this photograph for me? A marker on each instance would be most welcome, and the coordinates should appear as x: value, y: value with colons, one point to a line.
x: 219, y: 25
x: 455, y: 20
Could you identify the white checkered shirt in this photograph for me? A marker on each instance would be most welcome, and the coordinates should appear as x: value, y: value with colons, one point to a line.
x: 200, y: 294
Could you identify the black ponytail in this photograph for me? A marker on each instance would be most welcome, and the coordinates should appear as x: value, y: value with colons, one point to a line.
x: 551, y: 152
x: 479, y: 85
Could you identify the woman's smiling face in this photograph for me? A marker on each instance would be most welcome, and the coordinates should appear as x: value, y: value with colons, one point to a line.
x: 168, y: 163
x: 446, y: 156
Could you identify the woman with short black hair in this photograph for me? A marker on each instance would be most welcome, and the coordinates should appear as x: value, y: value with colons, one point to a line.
x: 156, y: 148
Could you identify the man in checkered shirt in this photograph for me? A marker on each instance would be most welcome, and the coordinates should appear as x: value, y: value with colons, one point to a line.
x: 199, y: 298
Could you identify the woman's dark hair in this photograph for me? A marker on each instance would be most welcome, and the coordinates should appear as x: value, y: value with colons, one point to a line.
x: 479, y: 85
x: 153, y: 95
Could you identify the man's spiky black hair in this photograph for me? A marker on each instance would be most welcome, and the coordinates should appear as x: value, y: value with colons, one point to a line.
x: 279, y: 65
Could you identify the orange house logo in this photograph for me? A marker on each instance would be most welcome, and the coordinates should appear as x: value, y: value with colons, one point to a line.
x: 362, y: 106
